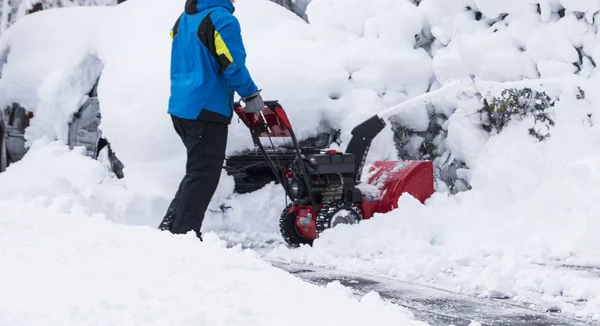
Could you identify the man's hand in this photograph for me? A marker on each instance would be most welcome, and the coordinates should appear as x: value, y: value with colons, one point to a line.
x: 254, y: 102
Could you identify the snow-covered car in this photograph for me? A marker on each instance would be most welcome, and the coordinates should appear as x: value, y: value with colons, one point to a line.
x: 83, y: 131
x: 13, y: 121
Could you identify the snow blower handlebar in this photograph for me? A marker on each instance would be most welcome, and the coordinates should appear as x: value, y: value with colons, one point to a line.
x: 266, y: 123
x: 272, y: 121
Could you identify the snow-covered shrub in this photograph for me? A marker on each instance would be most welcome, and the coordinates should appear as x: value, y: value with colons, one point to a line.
x: 513, y: 104
x: 517, y: 104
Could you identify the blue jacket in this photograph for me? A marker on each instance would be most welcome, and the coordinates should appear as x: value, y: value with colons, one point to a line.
x: 208, y: 62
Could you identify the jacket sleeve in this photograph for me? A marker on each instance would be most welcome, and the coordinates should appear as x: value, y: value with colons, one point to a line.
x: 175, y: 28
x: 232, y: 55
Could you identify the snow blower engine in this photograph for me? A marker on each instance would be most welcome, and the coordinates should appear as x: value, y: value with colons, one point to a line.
x: 324, y: 186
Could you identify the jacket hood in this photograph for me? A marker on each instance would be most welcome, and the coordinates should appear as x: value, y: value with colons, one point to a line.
x: 195, y: 6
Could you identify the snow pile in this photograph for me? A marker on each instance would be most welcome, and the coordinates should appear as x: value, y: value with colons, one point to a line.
x: 510, y: 40
x: 73, y: 181
x: 67, y: 266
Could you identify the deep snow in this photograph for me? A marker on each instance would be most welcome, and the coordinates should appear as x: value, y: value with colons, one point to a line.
x: 64, y: 265
x: 532, y: 204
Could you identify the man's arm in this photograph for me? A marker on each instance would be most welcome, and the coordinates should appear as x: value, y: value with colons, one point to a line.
x: 232, y: 54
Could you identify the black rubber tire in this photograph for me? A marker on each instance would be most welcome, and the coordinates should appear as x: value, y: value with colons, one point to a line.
x: 289, y: 232
x: 329, y: 210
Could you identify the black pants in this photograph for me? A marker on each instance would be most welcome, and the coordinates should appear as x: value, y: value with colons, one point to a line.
x: 205, y: 142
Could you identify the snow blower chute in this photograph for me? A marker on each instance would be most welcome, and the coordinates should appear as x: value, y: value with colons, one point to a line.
x: 324, y: 185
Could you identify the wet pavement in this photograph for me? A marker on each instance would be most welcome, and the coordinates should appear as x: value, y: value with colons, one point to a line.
x: 439, y: 307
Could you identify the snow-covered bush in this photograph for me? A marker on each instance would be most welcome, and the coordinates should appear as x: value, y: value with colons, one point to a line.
x: 513, y: 104
x: 517, y: 104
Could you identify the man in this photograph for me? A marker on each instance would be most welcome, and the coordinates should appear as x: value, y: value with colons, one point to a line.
x: 207, y: 66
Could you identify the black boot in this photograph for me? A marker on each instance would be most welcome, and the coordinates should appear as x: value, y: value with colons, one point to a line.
x: 167, y: 222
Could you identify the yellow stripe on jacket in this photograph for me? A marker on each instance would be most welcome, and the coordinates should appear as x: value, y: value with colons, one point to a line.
x: 221, y: 47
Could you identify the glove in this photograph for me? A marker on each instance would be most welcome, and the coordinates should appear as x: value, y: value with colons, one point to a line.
x: 254, y: 103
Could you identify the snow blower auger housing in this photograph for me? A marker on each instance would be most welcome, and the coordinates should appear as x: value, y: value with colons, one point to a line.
x: 324, y: 185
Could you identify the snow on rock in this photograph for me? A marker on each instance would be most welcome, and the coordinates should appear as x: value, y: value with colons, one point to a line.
x: 586, y: 6
x: 75, y: 268
x: 449, y: 66
x: 465, y: 137
x: 349, y: 15
x: 495, y: 46
x: 493, y: 8
x: 566, y: 35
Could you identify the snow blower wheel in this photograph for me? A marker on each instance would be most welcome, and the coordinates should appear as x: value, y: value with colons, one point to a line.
x: 289, y: 229
x: 338, y: 212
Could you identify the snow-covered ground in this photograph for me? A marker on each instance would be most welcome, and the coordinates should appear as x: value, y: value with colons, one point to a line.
x: 532, y: 206
x: 64, y: 265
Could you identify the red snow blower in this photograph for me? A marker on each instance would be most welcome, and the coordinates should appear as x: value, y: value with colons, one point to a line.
x: 324, y: 184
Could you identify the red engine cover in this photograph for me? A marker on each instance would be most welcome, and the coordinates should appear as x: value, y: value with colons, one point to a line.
x: 394, y: 178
